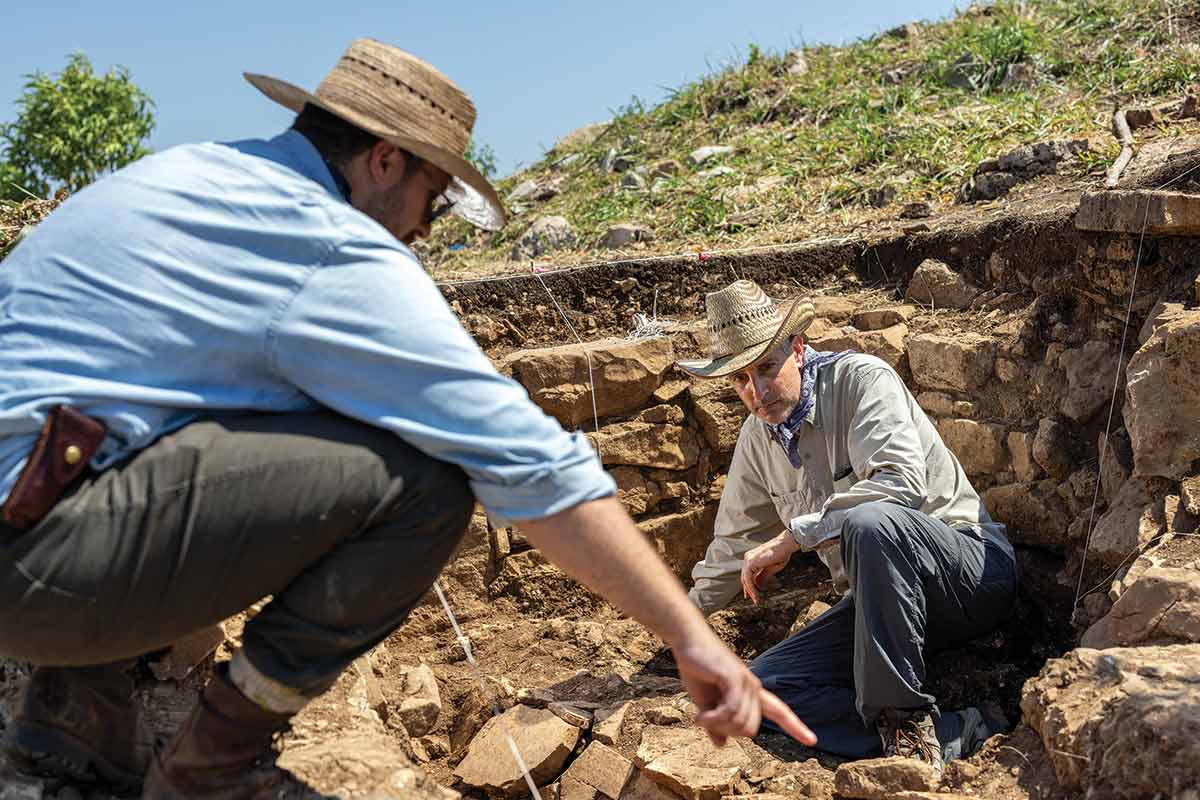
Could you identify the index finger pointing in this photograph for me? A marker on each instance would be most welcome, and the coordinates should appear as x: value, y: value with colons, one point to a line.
x: 777, y: 711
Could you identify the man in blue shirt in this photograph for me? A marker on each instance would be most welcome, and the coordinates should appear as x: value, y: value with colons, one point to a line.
x: 224, y: 375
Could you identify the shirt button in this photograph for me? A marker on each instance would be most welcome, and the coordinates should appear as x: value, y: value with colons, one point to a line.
x: 72, y: 455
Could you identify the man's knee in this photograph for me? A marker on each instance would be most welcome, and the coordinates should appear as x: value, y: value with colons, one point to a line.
x: 436, y: 491
x: 869, y: 522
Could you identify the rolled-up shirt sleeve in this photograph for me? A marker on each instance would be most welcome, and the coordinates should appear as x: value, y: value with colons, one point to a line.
x: 885, y: 452
x: 370, y: 336
x: 746, y: 517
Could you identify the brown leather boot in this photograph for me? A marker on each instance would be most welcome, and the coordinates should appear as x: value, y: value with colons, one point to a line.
x: 82, y: 724
x: 224, y: 752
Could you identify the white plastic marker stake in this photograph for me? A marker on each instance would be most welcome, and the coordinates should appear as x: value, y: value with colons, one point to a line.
x: 465, y: 643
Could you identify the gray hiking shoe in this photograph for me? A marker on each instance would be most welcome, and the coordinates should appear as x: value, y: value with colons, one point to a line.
x: 910, y: 735
x: 979, y: 725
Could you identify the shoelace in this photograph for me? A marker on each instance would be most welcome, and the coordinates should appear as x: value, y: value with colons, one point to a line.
x: 907, y: 740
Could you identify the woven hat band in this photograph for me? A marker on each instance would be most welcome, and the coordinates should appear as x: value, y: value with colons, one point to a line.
x: 381, y: 88
x: 745, y: 329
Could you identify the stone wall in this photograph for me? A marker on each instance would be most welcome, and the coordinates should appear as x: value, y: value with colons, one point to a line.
x: 1017, y: 376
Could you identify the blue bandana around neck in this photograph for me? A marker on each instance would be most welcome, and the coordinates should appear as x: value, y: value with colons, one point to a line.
x: 785, y: 432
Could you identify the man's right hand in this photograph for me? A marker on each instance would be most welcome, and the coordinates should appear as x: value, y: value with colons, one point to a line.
x: 764, y: 561
x: 731, y: 700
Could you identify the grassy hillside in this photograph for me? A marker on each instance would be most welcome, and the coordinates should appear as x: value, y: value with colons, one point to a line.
x: 905, y: 116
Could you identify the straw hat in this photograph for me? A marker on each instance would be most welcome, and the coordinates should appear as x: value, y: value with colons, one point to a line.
x: 743, y: 326
x: 401, y: 99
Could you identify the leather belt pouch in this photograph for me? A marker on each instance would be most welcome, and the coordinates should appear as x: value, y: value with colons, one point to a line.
x: 68, y: 440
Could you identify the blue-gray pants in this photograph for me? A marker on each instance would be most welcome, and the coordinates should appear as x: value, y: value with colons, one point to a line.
x: 344, y: 524
x: 916, y: 585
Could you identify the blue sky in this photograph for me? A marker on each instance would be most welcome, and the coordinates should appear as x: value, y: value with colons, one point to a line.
x: 534, y: 70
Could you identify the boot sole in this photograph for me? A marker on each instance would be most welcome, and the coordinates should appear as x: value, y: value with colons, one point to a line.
x: 53, y: 753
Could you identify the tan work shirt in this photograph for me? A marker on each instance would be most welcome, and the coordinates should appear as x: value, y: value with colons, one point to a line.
x: 866, y: 429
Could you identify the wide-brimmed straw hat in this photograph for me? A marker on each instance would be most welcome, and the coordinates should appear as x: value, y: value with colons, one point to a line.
x: 743, y: 326
x: 405, y: 101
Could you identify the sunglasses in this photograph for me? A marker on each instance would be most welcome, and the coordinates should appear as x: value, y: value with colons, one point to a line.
x: 439, y: 208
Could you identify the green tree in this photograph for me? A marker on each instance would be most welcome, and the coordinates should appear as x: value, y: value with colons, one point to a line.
x: 483, y: 158
x: 73, y: 127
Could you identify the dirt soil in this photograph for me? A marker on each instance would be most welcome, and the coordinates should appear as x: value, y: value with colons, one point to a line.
x: 545, y: 632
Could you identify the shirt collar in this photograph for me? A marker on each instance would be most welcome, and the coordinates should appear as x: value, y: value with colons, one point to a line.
x: 302, y: 156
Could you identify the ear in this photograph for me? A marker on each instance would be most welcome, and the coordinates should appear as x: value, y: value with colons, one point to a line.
x: 798, y: 345
x: 385, y: 164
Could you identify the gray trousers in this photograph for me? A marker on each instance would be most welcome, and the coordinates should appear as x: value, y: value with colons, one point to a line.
x: 917, y: 585
x: 345, y: 525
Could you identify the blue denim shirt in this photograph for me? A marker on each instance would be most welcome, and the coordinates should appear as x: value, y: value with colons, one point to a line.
x: 219, y: 277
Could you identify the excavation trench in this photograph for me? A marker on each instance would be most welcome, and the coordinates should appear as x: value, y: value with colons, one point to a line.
x: 1013, y: 352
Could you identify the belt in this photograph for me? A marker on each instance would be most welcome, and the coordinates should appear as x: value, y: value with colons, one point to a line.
x: 68, y: 440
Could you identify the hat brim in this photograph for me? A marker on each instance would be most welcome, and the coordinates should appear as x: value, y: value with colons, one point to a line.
x: 473, y: 196
x: 796, y: 319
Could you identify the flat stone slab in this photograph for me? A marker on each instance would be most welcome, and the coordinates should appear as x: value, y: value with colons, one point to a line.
x: 684, y: 761
x: 1126, y: 211
x: 543, y: 740
x: 880, y: 778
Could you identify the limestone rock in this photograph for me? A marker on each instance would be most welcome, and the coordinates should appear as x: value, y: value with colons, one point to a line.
x: 715, y: 172
x: 665, y: 715
x: 545, y: 235
x: 814, y: 610
x: 1116, y: 462
x: 525, y: 190
x: 1127, y: 576
x: 681, y: 539
x: 642, y: 787
x: 624, y: 234
x: 1020, y: 451
x: 1089, y: 379
x: 687, y: 763
x: 702, y: 154
x: 719, y: 413
x: 367, y: 694
x: 960, y: 363
x: 602, y: 768
x: 571, y: 714
x: 608, y: 723
x: 879, y: 318
x: 570, y: 789
x: 1134, y: 518
x: 637, y: 494
x: 1161, y: 376
x: 361, y: 765
x: 1164, y: 603
x: 888, y: 344
x: 939, y: 404
x: 625, y: 373
x: 422, y: 701
x: 646, y: 444
x: 837, y: 310
x: 979, y: 446
x: 1122, y: 722
x: 935, y: 284
x: 1034, y: 513
x: 1161, y: 314
x: 795, y: 62
x: 881, y: 778
x: 543, y: 739
x: 474, y: 709
x: 1054, y: 447
x: 1132, y: 210
x: 1189, y: 494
